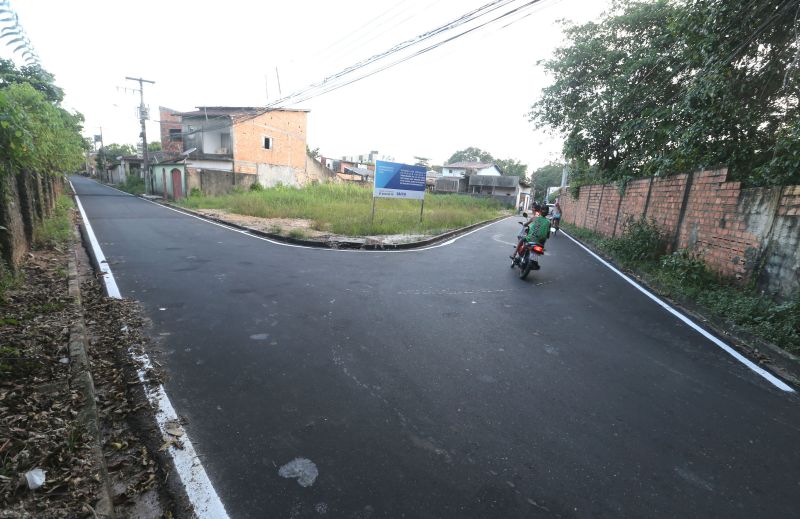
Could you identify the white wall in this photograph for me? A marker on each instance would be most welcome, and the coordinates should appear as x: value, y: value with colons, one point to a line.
x: 270, y: 175
x: 221, y: 165
x: 453, y: 172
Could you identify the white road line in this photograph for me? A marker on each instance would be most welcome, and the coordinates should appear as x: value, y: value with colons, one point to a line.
x: 108, y: 277
x: 262, y: 238
x: 199, y: 489
x: 772, y: 379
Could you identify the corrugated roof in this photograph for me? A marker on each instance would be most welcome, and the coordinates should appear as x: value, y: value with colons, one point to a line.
x: 234, y: 111
x: 469, y: 165
x: 364, y: 172
x: 493, y: 180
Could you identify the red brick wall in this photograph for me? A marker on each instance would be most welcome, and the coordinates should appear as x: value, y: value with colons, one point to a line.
x: 666, y: 199
x: 592, y: 206
x: 607, y: 220
x: 288, y: 132
x: 739, y: 232
x: 790, y: 201
x: 634, y: 203
x: 169, y: 121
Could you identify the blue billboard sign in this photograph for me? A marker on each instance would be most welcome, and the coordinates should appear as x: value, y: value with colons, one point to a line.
x: 394, y: 180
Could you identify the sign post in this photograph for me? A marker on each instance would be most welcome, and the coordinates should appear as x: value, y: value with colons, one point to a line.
x: 395, y: 180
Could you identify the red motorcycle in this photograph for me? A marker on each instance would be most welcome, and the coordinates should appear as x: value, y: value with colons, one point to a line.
x: 528, y: 257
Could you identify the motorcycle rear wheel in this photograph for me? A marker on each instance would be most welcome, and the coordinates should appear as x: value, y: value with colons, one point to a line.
x: 524, y: 268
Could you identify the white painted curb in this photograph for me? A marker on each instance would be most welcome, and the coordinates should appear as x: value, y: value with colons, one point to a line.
x: 200, y: 491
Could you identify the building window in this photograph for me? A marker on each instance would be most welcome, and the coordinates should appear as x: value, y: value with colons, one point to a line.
x: 267, y: 143
x: 225, y: 140
x: 175, y: 135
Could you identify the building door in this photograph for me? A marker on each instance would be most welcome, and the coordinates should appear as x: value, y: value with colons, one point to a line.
x: 177, y: 185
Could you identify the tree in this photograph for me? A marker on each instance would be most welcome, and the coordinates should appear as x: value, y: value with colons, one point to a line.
x: 512, y: 168
x: 108, y: 154
x: 36, y: 135
x: 668, y: 86
x: 471, y: 155
x: 509, y: 167
x: 422, y: 161
x: 154, y: 146
x: 545, y: 177
x: 33, y: 75
x: 314, y: 154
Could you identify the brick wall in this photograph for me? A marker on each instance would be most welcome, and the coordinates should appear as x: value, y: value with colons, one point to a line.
x: 740, y: 233
x: 634, y: 202
x: 169, y: 122
x: 609, y: 210
x: 287, y: 129
x: 666, y: 200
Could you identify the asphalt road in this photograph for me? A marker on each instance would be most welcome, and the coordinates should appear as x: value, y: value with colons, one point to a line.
x: 436, y: 384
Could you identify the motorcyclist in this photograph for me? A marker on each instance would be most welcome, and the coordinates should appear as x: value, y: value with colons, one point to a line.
x: 539, y: 231
x: 540, y: 216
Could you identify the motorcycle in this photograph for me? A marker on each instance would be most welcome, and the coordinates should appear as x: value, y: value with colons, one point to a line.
x: 528, y: 259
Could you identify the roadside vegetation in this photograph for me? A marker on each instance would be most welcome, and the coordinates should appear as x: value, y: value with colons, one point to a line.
x: 670, y: 86
x: 56, y: 229
x: 345, y: 209
x: 684, y: 277
x: 133, y: 185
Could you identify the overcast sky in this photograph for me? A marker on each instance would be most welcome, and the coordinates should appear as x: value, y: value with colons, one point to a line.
x: 473, y: 91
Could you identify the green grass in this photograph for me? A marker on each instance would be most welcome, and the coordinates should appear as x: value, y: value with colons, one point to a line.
x: 684, y: 276
x: 345, y: 209
x: 133, y: 185
x: 56, y: 230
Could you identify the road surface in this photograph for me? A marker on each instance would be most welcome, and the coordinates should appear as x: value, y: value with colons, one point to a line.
x: 436, y: 384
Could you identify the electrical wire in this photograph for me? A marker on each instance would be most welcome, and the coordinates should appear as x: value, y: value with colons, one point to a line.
x: 463, y: 19
x: 413, y: 55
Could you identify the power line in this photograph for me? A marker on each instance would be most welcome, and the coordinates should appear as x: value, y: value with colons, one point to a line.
x: 413, y: 55
x: 383, y: 29
x: 465, y: 18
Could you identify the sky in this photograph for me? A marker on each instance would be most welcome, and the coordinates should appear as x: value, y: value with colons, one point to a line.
x: 473, y: 91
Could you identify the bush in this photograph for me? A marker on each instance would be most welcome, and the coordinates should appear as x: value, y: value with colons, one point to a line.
x: 133, y: 185
x: 641, y: 241
x: 195, y: 192
x: 56, y: 229
x: 256, y: 186
x: 686, y: 268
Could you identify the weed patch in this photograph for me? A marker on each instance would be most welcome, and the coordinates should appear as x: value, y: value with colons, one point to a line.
x: 55, y: 230
x: 133, y: 185
x: 345, y: 209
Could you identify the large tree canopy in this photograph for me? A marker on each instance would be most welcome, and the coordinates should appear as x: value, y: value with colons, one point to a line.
x: 509, y: 167
x: 544, y: 177
x: 668, y: 86
x: 470, y: 155
x: 36, y: 134
x: 33, y: 75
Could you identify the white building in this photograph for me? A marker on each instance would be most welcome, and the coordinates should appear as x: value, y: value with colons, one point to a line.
x: 465, y: 169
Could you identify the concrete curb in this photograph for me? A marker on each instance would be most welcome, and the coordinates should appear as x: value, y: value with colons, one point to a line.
x: 334, y: 244
x: 81, y: 379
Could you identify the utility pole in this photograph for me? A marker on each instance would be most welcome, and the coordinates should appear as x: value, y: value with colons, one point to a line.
x: 102, y: 154
x: 564, y: 175
x: 143, y: 118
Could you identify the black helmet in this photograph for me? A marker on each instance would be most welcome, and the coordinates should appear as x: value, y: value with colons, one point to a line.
x: 544, y: 210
